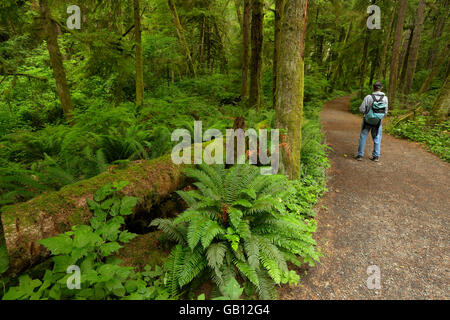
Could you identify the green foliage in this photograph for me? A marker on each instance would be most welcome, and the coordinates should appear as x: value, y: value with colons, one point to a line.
x: 92, y: 248
x: 237, y: 225
x: 436, y: 137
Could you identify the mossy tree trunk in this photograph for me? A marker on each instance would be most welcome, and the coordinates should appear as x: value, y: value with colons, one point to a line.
x: 56, y: 60
x: 404, y: 54
x: 245, y: 46
x: 442, y: 104
x: 139, y: 59
x: 436, y: 66
x: 381, y: 71
x: 442, y: 7
x: 279, y: 8
x: 257, y: 37
x: 290, y: 83
x: 56, y: 212
x: 414, y: 50
x: 181, y: 37
x: 393, y: 75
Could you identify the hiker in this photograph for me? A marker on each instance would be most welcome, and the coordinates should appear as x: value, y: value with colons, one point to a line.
x: 374, y: 108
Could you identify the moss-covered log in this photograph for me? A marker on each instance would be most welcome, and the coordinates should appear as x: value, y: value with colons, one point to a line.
x: 55, y: 212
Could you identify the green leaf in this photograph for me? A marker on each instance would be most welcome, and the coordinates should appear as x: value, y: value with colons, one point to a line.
x: 84, y: 236
x: 103, y: 192
x: 115, y: 208
x: 243, y: 203
x: 131, y: 286
x: 127, y: 205
x: 235, y: 216
x: 61, y: 244
x: 107, y: 203
x: 120, y: 185
x: 109, y: 248
x: 61, y: 263
x: 126, y: 236
x: 250, y: 192
x: 232, y: 290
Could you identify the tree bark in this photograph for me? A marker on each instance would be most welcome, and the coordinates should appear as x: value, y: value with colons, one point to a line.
x: 363, y: 67
x: 338, y: 69
x: 56, y: 61
x: 414, y: 51
x: 404, y: 55
x: 442, y: 104
x: 56, y: 212
x: 290, y: 84
x: 139, y: 58
x: 437, y: 32
x: 438, y: 63
x: 386, y: 42
x: 181, y: 37
x: 237, y: 5
x: 245, y: 47
x: 279, y: 8
x: 393, y: 77
x: 256, y: 56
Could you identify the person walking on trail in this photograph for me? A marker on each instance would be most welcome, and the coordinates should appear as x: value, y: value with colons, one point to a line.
x: 374, y: 108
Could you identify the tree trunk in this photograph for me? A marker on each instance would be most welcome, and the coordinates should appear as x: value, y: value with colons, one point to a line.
x: 386, y: 42
x: 290, y: 83
x: 256, y: 56
x: 438, y: 63
x: 414, y: 51
x: 245, y: 48
x: 442, y: 104
x: 181, y: 37
x: 363, y: 67
x: 338, y: 69
x: 237, y: 5
x: 403, y: 60
x: 56, y: 61
x: 393, y: 77
x: 139, y: 59
x: 437, y: 32
x: 279, y: 8
x: 56, y: 212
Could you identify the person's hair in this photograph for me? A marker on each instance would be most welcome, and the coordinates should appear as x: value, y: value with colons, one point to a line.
x: 377, y: 86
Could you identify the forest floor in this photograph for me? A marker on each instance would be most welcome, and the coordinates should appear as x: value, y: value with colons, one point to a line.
x: 393, y: 214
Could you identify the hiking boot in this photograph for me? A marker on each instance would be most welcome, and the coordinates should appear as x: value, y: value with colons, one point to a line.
x: 375, y: 159
x: 358, y: 158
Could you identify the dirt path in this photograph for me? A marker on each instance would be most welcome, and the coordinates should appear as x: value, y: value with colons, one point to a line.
x: 393, y: 214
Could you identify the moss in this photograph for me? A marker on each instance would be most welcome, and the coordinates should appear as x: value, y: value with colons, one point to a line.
x: 144, y: 249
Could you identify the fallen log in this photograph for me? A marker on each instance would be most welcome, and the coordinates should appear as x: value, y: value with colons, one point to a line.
x: 56, y: 212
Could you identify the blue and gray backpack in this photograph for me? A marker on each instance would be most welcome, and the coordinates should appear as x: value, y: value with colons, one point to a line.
x: 377, y: 112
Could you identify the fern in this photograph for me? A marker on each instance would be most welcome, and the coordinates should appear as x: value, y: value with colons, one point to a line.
x: 236, y: 222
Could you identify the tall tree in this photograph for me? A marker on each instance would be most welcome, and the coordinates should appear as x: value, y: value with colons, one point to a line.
x: 414, y: 51
x: 381, y: 74
x: 56, y: 60
x: 139, y: 59
x: 393, y: 75
x: 245, y: 49
x: 279, y: 8
x: 257, y: 38
x: 442, y: 104
x: 404, y: 55
x: 442, y: 16
x: 434, y: 70
x: 181, y: 37
x: 290, y: 84
x: 363, y: 65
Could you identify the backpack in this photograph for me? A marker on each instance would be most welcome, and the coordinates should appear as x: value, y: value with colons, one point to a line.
x: 376, y: 112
